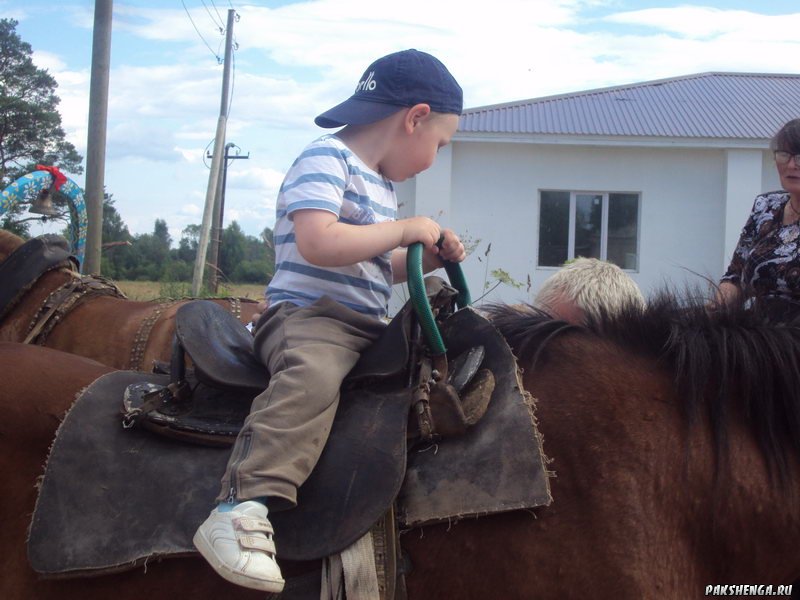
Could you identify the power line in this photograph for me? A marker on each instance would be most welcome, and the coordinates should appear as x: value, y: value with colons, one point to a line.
x: 218, y: 23
x: 219, y: 60
x: 219, y: 16
x: 233, y: 79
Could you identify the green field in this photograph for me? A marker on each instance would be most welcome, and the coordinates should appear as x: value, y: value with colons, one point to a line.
x: 152, y: 290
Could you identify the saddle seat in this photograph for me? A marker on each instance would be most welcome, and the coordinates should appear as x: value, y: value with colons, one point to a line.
x: 208, y: 404
x: 221, y: 350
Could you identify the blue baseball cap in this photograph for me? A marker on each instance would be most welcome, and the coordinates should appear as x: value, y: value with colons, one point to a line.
x: 394, y: 82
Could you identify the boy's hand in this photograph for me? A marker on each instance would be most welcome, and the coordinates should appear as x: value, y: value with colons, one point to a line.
x: 261, y: 307
x: 420, y: 229
x: 451, y: 248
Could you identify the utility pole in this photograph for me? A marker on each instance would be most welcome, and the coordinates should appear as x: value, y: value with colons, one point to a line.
x: 219, y: 212
x: 216, y: 161
x: 96, y: 141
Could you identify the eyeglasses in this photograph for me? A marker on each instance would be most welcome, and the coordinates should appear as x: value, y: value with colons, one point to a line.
x: 782, y: 158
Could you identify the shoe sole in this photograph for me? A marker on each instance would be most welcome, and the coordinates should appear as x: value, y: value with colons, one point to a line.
x: 206, y: 551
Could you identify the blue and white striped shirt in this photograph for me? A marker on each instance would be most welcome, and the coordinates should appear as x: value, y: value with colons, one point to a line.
x: 328, y: 176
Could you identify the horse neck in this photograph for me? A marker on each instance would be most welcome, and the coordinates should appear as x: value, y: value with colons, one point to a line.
x: 641, y: 481
x: 753, y: 518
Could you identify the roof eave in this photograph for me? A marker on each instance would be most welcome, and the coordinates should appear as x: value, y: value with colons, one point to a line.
x: 605, y: 140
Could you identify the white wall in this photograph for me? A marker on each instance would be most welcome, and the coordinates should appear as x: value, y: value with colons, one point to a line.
x: 495, y: 198
x: 693, y: 202
x: 769, y: 175
x: 743, y: 182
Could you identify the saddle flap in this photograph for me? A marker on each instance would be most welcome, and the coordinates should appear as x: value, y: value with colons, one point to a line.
x: 173, y: 486
x: 498, y: 464
x: 356, y: 479
x: 219, y: 345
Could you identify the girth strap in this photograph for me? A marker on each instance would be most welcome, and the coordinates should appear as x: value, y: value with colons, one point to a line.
x: 143, y: 335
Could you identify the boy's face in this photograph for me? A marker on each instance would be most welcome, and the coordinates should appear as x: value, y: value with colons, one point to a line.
x: 416, y: 149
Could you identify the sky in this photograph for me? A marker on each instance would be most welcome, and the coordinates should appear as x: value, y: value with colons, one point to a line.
x: 295, y: 59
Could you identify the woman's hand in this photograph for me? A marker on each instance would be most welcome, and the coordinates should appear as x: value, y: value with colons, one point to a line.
x: 727, y: 293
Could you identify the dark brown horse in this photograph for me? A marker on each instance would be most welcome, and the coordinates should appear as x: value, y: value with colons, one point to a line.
x: 673, y: 434
x: 105, y: 327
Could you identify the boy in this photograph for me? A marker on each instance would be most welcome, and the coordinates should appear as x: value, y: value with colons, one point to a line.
x: 338, y: 251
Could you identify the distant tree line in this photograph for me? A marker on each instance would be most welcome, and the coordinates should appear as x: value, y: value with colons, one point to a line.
x: 151, y: 257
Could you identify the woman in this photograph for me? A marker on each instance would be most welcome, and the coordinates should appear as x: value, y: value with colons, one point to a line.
x: 766, y: 262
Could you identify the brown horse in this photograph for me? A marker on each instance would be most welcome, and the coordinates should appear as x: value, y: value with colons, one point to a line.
x: 106, y: 327
x: 673, y: 434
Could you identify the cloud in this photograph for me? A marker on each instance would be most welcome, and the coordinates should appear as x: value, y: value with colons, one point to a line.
x: 296, y: 60
x: 255, y: 178
x: 705, y: 23
x: 140, y: 140
x: 191, y: 210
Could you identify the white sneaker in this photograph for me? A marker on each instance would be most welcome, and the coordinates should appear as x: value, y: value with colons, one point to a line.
x: 238, y: 545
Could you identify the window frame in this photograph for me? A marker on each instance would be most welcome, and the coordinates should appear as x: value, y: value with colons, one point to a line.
x: 573, y: 209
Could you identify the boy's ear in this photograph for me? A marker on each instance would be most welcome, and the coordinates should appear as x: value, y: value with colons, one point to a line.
x: 415, y: 115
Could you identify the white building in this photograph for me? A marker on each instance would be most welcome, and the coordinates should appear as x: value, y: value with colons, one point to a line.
x: 658, y: 177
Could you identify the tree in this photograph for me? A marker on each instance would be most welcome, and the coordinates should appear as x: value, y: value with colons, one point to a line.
x: 117, y: 256
x: 30, y: 125
x: 187, y: 247
x: 260, y: 264
x: 161, y: 233
x: 114, y: 228
x: 232, y: 249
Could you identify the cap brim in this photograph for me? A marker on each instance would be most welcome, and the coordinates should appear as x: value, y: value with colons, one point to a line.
x: 355, y: 112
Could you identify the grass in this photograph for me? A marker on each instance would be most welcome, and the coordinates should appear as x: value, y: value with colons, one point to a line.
x: 152, y: 290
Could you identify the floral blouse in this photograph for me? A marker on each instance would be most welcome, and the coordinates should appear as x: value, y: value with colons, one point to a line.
x: 766, y: 260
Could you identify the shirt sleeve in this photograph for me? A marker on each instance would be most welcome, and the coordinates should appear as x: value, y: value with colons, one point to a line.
x: 317, y: 180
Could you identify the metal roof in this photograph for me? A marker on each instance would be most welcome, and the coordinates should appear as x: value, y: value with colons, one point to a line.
x: 704, y: 105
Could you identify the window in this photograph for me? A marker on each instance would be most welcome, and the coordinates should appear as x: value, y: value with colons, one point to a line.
x: 602, y: 225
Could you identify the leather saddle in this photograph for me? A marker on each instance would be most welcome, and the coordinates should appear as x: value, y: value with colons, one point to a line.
x: 363, y: 465
x: 208, y: 403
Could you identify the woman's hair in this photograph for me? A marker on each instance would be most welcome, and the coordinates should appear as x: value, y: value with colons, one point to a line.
x: 787, y: 138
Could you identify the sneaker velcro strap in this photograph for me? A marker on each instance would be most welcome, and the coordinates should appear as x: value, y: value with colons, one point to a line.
x: 251, y: 524
x: 257, y: 542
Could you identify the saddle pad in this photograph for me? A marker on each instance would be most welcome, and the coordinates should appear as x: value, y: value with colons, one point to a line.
x: 112, y: 498
x: 498, y: 465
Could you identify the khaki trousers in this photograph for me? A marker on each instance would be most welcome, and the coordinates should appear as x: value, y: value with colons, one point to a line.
x: 308, y: 352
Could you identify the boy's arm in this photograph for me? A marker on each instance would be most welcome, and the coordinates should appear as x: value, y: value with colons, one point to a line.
x: 325, y: 242
x: 452, y: 249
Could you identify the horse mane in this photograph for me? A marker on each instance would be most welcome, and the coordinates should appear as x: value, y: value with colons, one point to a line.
x: 731, y: 361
